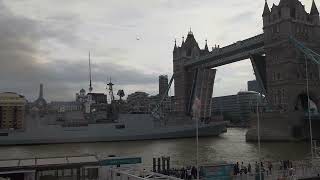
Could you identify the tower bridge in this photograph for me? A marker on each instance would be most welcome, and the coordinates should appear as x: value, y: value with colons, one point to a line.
x: 229, y: 54
x: 282, y: 69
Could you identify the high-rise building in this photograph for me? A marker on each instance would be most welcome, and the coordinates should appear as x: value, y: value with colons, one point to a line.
x: 12, y: 111
x: 163, y: 85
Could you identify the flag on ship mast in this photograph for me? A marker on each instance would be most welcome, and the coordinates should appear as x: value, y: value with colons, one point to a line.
x: 196, y: 106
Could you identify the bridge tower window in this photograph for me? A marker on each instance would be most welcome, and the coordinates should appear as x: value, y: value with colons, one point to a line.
x: 293, y: 12
x: 189, y: 52
x: 283, y: 96
x: 279, y: 13
x: 298, y: 29
x: 279, y: 98
x: 275, y: 101
x: 274, y: 76
x: 278, y: 76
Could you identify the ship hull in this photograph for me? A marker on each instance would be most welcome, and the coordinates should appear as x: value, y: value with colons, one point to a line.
x: 138, y: 127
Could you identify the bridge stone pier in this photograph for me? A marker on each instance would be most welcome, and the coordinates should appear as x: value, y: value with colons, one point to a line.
x: 279, y: 67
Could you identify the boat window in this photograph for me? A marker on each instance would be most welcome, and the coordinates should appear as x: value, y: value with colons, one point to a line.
x: 3, y: 134
x: 120, y: 126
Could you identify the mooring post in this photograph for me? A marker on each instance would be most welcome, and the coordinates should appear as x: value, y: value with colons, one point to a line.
x: 168, y: 163
x: 163, y: 163
x: 154, y: 165
x: 159, y: 165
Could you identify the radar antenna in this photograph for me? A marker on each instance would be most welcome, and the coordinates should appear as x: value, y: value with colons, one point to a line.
x: 110, y: 84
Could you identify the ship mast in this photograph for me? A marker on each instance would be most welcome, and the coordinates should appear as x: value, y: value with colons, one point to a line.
x: 90, y: 85
x: 110, y: 84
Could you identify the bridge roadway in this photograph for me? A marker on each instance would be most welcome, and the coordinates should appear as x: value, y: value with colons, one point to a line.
x: 232, y: 53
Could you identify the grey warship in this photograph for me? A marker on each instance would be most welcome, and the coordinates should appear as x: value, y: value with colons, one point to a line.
x: 95, y: 118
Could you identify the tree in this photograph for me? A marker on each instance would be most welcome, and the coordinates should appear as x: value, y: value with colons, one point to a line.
x: 121, y: 94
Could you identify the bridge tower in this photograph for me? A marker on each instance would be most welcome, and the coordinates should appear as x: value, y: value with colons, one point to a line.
x: 285, y: 81
x: 189, y: 83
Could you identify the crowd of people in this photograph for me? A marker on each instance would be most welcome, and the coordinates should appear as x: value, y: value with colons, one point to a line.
x: 265, y: 168
x: 247, y: 169
x: 239, y: 169
x: 187, y: 173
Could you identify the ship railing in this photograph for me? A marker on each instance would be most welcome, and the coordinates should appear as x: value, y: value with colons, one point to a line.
x: 135, y: 174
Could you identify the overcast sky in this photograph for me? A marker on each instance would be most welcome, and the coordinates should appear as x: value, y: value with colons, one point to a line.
x: 47, y: 41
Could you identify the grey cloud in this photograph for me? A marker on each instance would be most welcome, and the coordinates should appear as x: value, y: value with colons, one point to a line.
x: 243, y: 17
x: 77, y: 72
x: 23, y: 67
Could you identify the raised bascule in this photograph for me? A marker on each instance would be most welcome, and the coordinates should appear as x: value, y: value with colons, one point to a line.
x: 285, y: 59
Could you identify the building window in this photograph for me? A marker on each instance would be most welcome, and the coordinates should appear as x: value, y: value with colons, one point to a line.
x: 278, y: 76
x: 293, y: 13
x: 278, y: 28
x: 279, y: 13
x: 275, y: 29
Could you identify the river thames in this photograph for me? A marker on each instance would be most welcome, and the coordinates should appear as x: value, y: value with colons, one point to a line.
x: 230, y: 147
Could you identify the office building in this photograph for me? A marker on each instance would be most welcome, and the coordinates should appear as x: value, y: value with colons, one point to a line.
x: 236, y: 108
x: 12, y: 111
x: 163, y: 85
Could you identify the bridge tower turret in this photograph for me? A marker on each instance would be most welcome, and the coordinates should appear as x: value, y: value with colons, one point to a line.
x: 285, y: 65
x: 183, y: 78
x: 192, y: 82
x: 314, y: 14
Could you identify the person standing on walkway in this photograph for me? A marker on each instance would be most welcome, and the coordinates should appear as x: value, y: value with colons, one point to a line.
x: 189, y: 176
x: 242, y: 168
x: 270, y: 167
x: 249, y: 168
x: 238, y: 168
x: 235, y: 169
